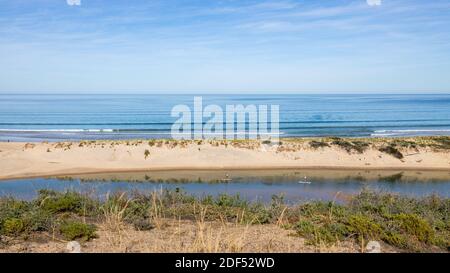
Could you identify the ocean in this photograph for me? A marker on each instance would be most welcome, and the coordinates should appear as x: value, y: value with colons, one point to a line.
x: 76, y: 117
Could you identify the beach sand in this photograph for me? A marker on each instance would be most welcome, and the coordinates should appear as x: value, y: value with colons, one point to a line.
x: 21, y: 160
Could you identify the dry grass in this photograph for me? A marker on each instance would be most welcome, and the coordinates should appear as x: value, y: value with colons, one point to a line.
x: 182, y: 223
x: 156, y: 210
x: 113, y: 213
x: 213, y: 237
x: 184, y: 236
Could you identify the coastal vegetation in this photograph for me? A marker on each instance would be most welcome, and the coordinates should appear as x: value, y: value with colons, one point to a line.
x: 391, y: 150
x: 318, y: 144
x: 403, y: 223
x: 358, y: 146
x: 146, y: 153
x: 391, y: 146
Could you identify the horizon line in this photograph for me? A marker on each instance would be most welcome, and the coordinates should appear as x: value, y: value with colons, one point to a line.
x: 239, y: 93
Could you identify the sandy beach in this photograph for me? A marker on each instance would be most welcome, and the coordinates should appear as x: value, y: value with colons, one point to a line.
x: 21, y: 160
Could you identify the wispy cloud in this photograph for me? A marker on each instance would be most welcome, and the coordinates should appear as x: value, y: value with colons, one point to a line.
x: 240, y: 37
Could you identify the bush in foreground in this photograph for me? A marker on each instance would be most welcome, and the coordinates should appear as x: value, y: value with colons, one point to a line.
x: 412, y: 224
x: 72, y: 230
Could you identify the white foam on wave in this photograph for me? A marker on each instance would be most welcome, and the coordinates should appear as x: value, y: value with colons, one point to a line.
x: 118, y: 131
x: 409, y: 132
x: 56, y: 130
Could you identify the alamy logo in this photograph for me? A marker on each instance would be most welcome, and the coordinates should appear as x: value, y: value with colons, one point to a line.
x: 73, y: 2
x: 374, y: 2
x: 236, y: 122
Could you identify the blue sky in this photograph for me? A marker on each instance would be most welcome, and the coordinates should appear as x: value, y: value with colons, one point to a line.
x: 227, y: 46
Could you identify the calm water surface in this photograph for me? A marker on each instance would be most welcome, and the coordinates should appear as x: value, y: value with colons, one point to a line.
x: 255, y: 185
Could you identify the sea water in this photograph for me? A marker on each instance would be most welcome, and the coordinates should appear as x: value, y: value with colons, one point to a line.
x: 75, y: 117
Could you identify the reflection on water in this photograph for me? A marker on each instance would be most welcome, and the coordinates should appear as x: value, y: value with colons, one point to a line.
x: 253, y: 185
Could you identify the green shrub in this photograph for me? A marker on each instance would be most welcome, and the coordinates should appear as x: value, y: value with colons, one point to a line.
x: 323, y: 235
x: 414, y: 225
x: 364, y: 227
x: 226, y: 200
x: 304, y: 228
x: 72, y: 230
x: 258, y: 214
x: 38, y: 220
x: 391, y: 150
x: 358, y: 146
x: 318, y: 144
x: 55, y: 202
x: 10, y: 208
x: 395, y: 239
x: 13, y: 227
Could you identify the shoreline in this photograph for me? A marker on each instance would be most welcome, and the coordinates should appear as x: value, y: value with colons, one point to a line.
x: 251, y: 168
x: 42, y: 159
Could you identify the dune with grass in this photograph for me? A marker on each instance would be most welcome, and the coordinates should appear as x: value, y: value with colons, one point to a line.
x: 20, y: 160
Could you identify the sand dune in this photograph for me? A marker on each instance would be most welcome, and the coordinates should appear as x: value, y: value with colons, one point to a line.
x: 19, y: 160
